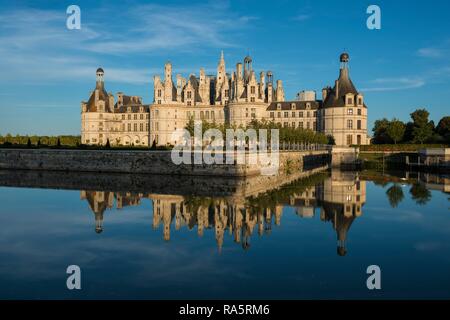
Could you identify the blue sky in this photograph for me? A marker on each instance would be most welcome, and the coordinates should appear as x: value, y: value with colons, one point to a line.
x: 47, y: 70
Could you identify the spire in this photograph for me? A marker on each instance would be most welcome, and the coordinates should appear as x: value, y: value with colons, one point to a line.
x: 221, y: 56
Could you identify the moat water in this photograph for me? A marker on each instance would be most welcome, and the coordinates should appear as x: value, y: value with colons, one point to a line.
x: 311, y: 239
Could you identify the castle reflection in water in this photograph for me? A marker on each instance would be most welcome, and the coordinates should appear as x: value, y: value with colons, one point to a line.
x: 338, y: 196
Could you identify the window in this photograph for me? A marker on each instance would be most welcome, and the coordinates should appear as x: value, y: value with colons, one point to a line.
x: 286, y: 114
x: 147, y: 116
x: 159, y: 92
x: 189, y: 95
x: 358, y: 124
x: 123, y: 117
x: 315, y: 113
x: 129, y: 127
x: 252, y: 89
x: 135, y: 127
x: 252, y: 99
x: 358, y: 139
x: 279, y: 114
x: 272, y: 115
x: 349, y: 124
x: 300, y: 114
x: 135, y: 117
x: 359, y: 101
x: 349, y: 101
x: 300, y: 125
x: 189, y: 103
x: 226, y: 92
x: 359, y: 112
x: 141, y: 127
x: 212, y: 115
x: 350, y: 111
x: 314, y: 125
x: 293, y: 124
x: 293, y: 114
x: 129, y: 117
x: 308, y: 114
x: 146, y: 127
x: 286, y: 125
x: 308, y: 126
x: 141, y: 116
x: 349, y: 139
x: 202, y: 115
x: 159, y: 101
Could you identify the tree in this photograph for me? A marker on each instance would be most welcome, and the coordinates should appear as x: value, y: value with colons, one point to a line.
x: 420, y: 194
x: 395, y: 195
x: 396, y: 130
x: 107, y: 146
x: 443, y: 128
x: 423, y: 129
x: 29, y: 143
x: 380, y: 131
x: 58, y: 143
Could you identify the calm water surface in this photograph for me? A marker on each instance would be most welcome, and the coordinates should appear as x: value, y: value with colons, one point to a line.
x: 311, y: 239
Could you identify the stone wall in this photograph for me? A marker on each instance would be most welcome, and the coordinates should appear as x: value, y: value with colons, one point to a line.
x: 146, y: 162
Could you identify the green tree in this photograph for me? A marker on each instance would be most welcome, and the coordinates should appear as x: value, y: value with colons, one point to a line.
x: 29, y: 143
x: 420, y: 194
x: 380, y: 135
x: 396, y: 130
x: 58, y: 143
x: 395, y: 195
x: 108, y: 145
x: 423, y: 129
x: 443, y: 128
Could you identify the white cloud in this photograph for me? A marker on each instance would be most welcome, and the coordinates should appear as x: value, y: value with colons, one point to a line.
x: 37, y: 47
x: 302, y: 17
x: 394, y: 84
x: 430, y: 53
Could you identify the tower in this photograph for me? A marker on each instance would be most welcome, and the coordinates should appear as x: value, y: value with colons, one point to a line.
x: 99, y: 78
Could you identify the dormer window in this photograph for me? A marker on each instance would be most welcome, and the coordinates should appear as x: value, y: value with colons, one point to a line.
x: 293, y: 106
x: 308, y: 105
x: 279, y: 106
x: 349, y: 101
x: 360, y: 101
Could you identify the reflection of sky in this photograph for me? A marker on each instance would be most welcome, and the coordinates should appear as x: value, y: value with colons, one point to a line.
x: 44, y: 231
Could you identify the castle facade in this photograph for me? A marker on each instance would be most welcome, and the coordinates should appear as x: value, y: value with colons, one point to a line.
x: 224, y: 98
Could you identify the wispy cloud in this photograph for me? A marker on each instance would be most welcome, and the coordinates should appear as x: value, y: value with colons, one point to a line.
x: 37, y: 47
x: 430, y: 53
x: 302, y: 17
x: 394, y: 84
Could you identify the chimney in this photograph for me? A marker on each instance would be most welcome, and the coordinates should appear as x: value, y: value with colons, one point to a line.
x: 239, y: 70
x: 119, y: 99
x: 324, y: 93
x: 337, y: 89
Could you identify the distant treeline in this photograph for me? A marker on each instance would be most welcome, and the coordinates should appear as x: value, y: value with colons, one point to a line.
x: 70, y: 141
x: 419, y: 130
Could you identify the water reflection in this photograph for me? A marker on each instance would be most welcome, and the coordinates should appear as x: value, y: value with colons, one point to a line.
x: 339, y: 197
